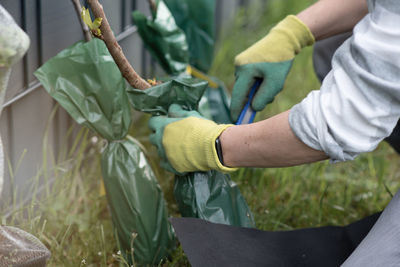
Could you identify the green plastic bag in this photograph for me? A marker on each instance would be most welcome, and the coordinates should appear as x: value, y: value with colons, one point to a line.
x: 218, y: 103
x: 214, y: 197
x: 214, y: 104
x: 208, y: 195
x: 164, y: 39
x: 86, y: 82
x: 184, y: 91
x: 180, y: 34
x: 211, y: 196
x: 182, y: 38
x: 197, y: 19
x: 168, y: 45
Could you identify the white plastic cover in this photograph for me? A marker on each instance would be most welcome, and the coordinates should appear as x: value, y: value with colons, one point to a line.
x: 13, y: 44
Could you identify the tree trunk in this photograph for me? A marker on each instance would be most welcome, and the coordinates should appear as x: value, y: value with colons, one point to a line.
x: 115, y: 49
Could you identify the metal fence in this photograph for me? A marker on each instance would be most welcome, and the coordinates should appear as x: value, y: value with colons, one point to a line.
x: 52, y: 25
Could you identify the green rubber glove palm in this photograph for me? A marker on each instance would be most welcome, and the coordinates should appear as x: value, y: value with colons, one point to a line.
x: 270, y: 59
x: 185, y: 141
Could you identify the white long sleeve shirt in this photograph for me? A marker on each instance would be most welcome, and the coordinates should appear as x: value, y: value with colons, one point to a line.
x: 358, y: 104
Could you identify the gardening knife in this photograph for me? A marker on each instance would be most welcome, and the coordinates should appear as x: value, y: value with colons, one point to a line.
x: 248, y: 113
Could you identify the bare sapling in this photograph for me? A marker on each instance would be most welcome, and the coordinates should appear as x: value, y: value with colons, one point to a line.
x: 105, y: 33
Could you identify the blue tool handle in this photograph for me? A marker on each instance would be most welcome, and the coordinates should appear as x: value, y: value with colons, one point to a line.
x: 247, y: 115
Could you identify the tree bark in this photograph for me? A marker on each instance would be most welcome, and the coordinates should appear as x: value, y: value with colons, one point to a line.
x: 153, y: 5
x: 85, y: 28
x: 115, y: 49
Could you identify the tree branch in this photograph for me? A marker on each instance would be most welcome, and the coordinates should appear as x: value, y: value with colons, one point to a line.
x: 115, y: 49
x: 153, y: 5
x: 85, y: 28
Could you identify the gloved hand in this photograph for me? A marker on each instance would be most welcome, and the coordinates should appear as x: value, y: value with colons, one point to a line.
x: 185, y: 141
x: 269, y: 59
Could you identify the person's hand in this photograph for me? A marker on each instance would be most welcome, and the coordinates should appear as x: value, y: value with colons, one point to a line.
x: 270, y: 59
x: 185, y: 141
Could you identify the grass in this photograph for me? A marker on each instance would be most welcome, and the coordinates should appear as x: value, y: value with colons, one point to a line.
x: 72, y: 217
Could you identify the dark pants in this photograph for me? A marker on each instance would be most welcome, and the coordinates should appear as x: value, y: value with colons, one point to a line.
x: 322, y: 58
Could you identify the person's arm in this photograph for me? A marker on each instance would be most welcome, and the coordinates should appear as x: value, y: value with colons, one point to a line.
x: 330, y: 17
x: 268, y: 143
x: 357, y: 107
x: 270, y: 59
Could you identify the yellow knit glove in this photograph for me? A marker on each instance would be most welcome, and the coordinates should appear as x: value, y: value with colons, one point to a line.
x: 282, y: 43
x: 186, y: 141
x: 270, y: 60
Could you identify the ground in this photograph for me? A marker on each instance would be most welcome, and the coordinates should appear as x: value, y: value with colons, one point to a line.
x: 73, y: 219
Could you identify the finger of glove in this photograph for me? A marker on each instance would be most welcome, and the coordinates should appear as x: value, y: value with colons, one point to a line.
x: 176, y: 111
x: 154, y: 139
x: 239, y: 94
x: 264, y: 96
x: 275, y: 76
x: 157, y: 122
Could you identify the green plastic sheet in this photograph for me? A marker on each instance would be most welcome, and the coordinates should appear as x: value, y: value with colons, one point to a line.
x: 197, y: 19
x: 214, y: 197
x: 214, y: 104
x: 164, y: 39
x: 184, y: 91
x: 86, y: 82
x: 168, y: 45
x: 180, y: 32
x: 211, y: 196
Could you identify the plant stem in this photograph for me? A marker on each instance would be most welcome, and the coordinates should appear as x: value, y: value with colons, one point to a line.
x: 115, y: 49
x: 153, y: 5
x: 85, y: 28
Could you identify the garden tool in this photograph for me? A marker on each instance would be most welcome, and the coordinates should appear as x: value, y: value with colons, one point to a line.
x: 248, y: 113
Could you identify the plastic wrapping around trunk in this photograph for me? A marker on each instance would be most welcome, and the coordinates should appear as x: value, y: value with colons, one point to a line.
x: 212, y: 196
x: 164, y: 39
x: 215, y: 104
x: 197, y: 19
x: 184, y: 91
x: 21, y: 249
x: 86, y: 82
x: 168, y: 45
x: 163, y: 36
x: 120, y: 162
